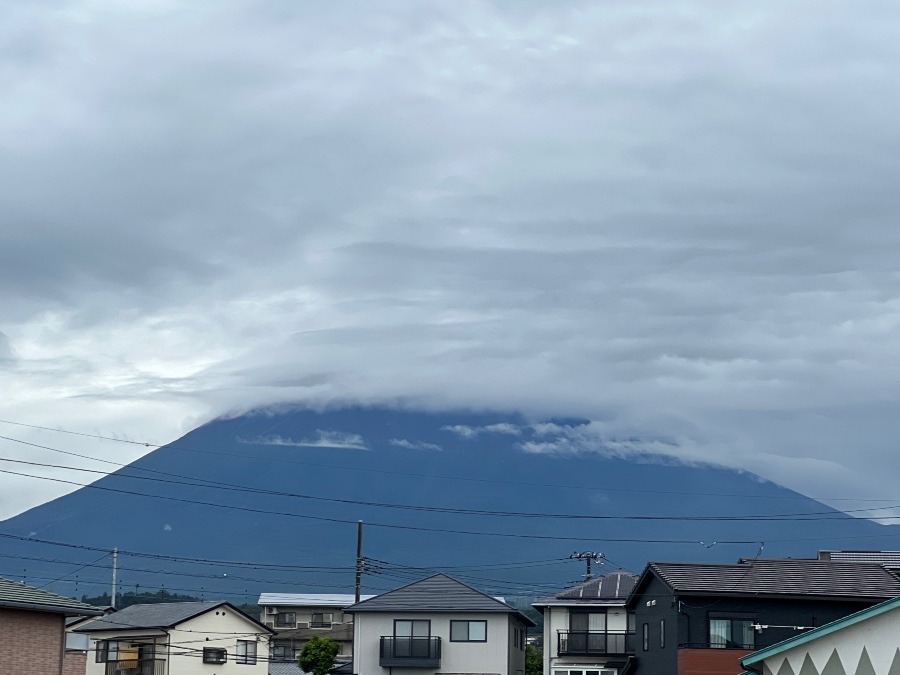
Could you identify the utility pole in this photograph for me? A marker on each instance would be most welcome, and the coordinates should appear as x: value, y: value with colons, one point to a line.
x: 588, y: 557
x: 115, y: 565
x: 359, y: 558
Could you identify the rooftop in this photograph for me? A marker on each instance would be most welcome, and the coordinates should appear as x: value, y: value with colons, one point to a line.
x: 437, y: 593
x: 309, y: 599
x: 781, y: 577
x: 15, y: 595
x: 158, y: 615
x: 608, y: 589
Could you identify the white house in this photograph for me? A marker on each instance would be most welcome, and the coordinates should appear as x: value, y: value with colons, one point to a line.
x: 864, y: 643
x: 297, y: 617
x: 438, y: 625
x: 179, y: 638
x: 587, y: 630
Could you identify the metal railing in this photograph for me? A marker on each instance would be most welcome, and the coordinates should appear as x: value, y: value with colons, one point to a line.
x: 411, y: 651
x: 591, y: 642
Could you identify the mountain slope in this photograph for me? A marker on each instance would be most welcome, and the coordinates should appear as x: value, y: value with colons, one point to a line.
x: 285, y: 489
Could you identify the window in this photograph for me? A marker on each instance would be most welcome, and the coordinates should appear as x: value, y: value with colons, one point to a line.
x: 107, y: 650
x: 286, y: 620
x: 594, y: 622
x: 412, y: 638
x: 468, y: 631
x: 283, y: 653
x: 214, y: 655
x: 662, y: 633
x: 320, y: 620
x: 245, y: 652
x: 646, y: 636
x: 519, y: 638
x: 731, y: 633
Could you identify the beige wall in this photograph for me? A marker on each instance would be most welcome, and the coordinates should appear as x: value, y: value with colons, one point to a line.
x: 456, y: 657
x: 220, y: 628
x: 31, y: 642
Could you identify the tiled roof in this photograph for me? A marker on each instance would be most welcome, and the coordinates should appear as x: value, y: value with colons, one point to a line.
x: 343, y: 631
x: 159, y: 615
x: 309, y: 599
x: 438, y: 593
x: 19, y: 596
x: 609, y: 589
x: 285, y: 668
x: 781, y: 577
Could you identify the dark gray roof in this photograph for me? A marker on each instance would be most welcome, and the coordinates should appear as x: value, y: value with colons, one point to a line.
x: 890, y: 559
x: 609, y: 589
x: 159, y: 615
x: 437, y: 593
x: 15, y: 595
x: 340, y: 632
x: 285, y: 668
x: 781, y: 577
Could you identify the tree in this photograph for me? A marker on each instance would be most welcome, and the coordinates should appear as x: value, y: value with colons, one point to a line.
x: 534, y: 660
x: 317, y: 655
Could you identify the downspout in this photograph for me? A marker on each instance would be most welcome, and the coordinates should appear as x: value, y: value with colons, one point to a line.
x: 62, y: 647
x: 168, y: 652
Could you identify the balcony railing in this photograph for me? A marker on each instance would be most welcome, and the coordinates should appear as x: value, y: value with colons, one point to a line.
x: 142, y: 667
x: 410, y: 652
x: 594, y: 643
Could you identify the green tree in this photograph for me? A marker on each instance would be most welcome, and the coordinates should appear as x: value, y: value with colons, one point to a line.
x: 317, y: 655
x: 534, y: 660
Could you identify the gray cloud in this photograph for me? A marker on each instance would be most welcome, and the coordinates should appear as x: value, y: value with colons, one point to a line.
x: 676, y: 222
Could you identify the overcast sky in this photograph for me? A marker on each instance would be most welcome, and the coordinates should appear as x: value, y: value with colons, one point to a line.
x: 677, y: 219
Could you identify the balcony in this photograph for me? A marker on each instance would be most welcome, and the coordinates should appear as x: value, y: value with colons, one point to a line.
x: 410, y: 652
x: 594, y: 643
x: 141, y: 667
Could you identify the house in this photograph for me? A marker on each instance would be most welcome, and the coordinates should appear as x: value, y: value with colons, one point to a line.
x: 694, y: 618
x: 33, y: 630
x: 864, y: 643
x: 439, y: 625
x: 587, y: 630
x: 179, y: 638
x: 296, y: 617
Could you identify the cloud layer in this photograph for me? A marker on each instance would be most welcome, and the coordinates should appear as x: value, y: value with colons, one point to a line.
x: 677, y: 222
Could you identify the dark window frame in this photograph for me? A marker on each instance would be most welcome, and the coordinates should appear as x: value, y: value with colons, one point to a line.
x: 284, y: 623
x: 215, y: 655
x: 246, y: 658
x: 413, y: 621
x: 645, y: 637
x: 468, y: 623
x: 662, y: 633
x: 732, y: 619
x: 321, y: 622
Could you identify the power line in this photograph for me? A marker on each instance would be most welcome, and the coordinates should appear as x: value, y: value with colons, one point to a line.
x: 178, y: 446
x: 812, y: 515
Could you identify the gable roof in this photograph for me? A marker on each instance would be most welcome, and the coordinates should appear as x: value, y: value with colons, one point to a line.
x: 15, y: 595
x: 609, y: 589
x: 857, y: 617
x: 309, y: 599
x: 437, y: 593
x: 160, y: 615
x: 787, y: 577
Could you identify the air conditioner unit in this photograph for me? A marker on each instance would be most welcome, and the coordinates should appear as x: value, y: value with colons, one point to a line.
x: 271, y: 610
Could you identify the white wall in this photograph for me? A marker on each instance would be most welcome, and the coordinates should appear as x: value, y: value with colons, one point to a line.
x: 456, y: 657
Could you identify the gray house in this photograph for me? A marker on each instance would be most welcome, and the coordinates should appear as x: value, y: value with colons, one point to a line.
x: 439, y: 625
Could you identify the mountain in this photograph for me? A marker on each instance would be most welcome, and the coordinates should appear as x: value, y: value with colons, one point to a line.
x: 279, y: 495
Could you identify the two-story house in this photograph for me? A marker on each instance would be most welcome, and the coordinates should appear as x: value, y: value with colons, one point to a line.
x: 179, y: 638
x: 438, y: 625
x: 698, y: 618
x: 587, y: 630
x: 296, y: 617
x: 33, y: 630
